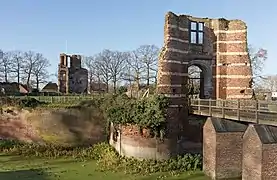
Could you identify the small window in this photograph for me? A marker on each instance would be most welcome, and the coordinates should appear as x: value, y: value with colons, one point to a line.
x: 193, y: 26
x: 200, y: 26
x: 193, y: 37
x: 200, y: 37
x: 196, y: 32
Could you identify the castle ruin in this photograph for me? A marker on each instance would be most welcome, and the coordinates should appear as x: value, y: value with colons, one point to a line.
x: 219, y: 48
x: 72, y: 79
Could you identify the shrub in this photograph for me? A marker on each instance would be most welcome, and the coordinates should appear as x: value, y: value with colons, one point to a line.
x: 30, y: 102
x: 149, y: 113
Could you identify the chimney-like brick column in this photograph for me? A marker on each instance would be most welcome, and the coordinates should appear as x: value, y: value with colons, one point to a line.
x: 222, y: 148
x: 232, y: 71
x: 259, y: 153
x: 173, y: 72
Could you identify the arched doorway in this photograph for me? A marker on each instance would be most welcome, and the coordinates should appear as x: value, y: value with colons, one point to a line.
x: 200, y: 78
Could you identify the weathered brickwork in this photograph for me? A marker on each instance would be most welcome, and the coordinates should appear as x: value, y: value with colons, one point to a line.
x: 73, y: 79
x: 233, y: 59
x: 240, y: 70
x: 232, y: 47
x: 222, y: 148
x: 170, y: 90
x: 172, y: 67
x: 221, y: 51
x: 259, y: 153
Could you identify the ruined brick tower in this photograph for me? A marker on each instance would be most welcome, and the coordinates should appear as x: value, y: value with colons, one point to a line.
x: 217, y: 46
x: 73, y: 79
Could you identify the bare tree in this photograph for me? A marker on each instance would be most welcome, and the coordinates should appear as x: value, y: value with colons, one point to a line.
x: 30, y: 61
x: 93, y: 71
x: 102, y: 64
x: 269, y: 83
x: 257, y: 60
x: 117, y: 66
x: 135, y: 68
x: 39, y: 70
x: 149, y: 57
x: 17, y: 64
x: 89, y: 64
x: 5, y: 65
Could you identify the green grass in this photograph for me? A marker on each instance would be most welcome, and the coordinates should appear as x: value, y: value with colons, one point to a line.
x: 20, y: 168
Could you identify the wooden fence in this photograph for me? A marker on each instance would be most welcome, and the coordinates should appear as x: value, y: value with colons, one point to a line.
x: 261, y: 112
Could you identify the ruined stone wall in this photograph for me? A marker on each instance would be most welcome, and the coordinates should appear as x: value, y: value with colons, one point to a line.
x: 221, y: 55
x: 78, y: 80
x: 224, y: 47
x: 232, y: 72
x: 63, y: 74
x: 73, y: 79
x: 173, y: 71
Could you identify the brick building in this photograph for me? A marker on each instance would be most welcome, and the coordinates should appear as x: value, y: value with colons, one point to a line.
x: 218, y: 47
x: 72, y: 79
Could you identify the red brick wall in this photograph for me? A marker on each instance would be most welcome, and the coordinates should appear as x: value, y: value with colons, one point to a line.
x: 209, y: 150
x: 269, y: 161
x: 229, y: 154
x: 252, y: 155
x: 230, y: 41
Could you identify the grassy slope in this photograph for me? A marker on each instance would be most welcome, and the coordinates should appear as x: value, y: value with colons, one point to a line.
x: 16, y: 167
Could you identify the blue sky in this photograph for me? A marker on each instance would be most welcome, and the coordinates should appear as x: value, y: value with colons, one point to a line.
x: 91, y: 26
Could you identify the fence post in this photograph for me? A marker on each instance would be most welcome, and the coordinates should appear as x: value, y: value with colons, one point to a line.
x: 223, y: 108
x: 210, y: 107
x: 257, y: 111
x: 238, y: 110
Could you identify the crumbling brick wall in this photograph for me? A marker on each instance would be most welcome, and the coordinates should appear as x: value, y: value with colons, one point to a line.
x: 223, y: 44
x: 73, y: 79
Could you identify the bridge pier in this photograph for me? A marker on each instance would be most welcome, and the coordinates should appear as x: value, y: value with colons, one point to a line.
x: 222, y: 148
x: 259, y: 153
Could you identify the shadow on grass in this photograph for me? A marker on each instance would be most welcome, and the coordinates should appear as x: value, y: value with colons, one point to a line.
x: 37, y: 174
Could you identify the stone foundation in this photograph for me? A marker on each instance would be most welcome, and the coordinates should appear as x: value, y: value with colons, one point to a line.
x: 222, y: 148
x: 129, y: 141
x: 259, y: 153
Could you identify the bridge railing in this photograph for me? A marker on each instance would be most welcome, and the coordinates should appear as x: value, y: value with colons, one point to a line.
x: 261, y: 112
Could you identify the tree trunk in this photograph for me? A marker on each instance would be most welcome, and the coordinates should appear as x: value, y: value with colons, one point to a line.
x: 114, y: 85
x: 18, y: 74
x: 37, y: 82
x: 148, y: 76
x: 6, y: 74
x: 99, y: 83
x: 107, y: 87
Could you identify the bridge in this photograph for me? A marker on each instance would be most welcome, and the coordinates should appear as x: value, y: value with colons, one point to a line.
x: 239, y: 138
x: 251, y: 111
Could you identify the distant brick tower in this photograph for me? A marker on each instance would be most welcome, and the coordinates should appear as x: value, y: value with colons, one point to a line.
x: 73, y: 79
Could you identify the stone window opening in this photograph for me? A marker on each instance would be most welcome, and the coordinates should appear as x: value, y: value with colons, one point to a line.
x: 196, y: 32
